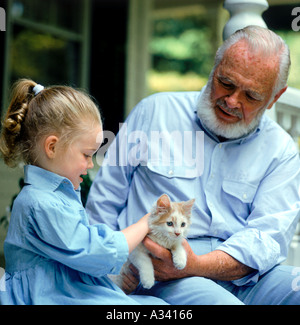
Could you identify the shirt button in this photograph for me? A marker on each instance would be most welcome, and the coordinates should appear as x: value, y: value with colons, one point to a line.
x: 171, y: 172
x: 220, y: 145
x: 244, y: 196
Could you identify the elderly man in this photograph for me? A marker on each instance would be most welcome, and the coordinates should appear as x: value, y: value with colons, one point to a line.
x: 245, y: 179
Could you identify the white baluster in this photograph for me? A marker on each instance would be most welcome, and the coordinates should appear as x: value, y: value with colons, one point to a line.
x: 288, y: 112
x: 295, y: 129
x: 244, y: 13
x: 285, y: 120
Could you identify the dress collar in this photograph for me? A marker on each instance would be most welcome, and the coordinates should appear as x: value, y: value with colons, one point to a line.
x: 44, y: 179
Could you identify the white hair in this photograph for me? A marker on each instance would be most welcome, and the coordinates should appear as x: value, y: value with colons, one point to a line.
x: 267, y: 43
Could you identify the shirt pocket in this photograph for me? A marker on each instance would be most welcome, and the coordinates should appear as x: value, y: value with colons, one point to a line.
x: 175, y: 180
x: 170, y: 171
x: 239, y: 196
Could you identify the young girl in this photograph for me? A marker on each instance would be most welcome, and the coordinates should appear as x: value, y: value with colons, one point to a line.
x: 53, y: 255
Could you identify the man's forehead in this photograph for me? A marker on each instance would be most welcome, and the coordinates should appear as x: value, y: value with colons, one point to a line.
x: 240, y: 54
x: 251, y: 69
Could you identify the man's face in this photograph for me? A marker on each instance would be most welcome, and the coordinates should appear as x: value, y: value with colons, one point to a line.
x: 240, y: 90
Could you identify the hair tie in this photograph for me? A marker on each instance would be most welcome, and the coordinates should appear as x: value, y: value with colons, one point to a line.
x: 37, y: 89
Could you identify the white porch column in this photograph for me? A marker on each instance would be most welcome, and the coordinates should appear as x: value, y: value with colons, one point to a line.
x: 244, y: 13
x: 138, y: 58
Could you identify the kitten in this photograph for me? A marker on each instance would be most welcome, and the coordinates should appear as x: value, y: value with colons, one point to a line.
x: 168, y: 223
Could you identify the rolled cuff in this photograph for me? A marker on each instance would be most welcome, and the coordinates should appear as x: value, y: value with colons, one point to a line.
x: 253, y: 248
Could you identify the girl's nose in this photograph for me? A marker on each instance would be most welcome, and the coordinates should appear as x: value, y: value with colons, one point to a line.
x: 91, y: 164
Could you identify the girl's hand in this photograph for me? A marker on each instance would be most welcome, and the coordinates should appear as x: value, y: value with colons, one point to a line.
x: 136, y: 233
x: 144, y: 221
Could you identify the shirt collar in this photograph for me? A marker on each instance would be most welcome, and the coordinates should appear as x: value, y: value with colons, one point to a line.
x: 239, y: 140
x: 44, y: 179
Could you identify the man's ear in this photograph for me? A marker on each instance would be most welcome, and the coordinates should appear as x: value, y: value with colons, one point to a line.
x: 50, y: 146
x: 277, y: 96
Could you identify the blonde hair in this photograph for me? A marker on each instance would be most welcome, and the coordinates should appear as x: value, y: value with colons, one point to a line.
x: 59, y: 110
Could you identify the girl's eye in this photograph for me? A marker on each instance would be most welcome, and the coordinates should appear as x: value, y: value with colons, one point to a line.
x: 183, y: 224
x: 169, y: 223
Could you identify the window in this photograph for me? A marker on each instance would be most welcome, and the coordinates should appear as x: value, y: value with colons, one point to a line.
x: 47, y: 41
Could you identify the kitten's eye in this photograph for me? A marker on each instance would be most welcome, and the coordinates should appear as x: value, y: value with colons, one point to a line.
x: 169, y: 223
x: 183, y: 224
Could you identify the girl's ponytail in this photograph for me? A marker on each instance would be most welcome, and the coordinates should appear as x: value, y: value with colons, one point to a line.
x: 35, y: 112
x: 12, y: 131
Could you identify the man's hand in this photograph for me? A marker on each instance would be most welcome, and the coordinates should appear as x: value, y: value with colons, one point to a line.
x: 164, y: 268
x: 216, y: 265
x: 130, y: 280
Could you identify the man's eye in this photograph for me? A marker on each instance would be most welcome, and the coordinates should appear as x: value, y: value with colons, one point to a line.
x: 225, y: 84
x: 251, y: 98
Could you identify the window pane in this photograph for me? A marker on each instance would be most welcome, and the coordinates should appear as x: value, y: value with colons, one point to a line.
x: 44, y: 58
x: 67, y: 15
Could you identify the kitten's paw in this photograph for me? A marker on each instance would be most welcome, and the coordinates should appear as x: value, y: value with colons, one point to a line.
x: 148, y: 283
x: 179, y: 261
x: 180, y: 265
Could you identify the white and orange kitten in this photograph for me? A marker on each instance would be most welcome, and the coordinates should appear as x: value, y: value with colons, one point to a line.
x: 168, y: 223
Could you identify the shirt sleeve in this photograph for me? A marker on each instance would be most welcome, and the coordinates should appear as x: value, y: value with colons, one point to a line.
x: 58, y: 232
x: 272, y: 222
x: 108, y: 194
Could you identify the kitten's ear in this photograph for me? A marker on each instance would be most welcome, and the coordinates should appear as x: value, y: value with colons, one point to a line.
x: 164, y: 202
x: 187, y: 206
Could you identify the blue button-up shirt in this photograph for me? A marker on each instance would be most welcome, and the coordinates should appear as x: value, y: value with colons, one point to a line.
x: 246, y: 190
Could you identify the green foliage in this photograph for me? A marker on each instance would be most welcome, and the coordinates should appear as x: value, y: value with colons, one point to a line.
x: 182, y: 45
x: 85, y: 188
x: 182, y: 54
x: 292, y: 39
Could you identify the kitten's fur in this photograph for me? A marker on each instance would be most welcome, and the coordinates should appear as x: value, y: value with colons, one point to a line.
x: 168, y: 223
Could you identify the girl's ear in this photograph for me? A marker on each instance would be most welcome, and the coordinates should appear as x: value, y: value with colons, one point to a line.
x: 50, y: 146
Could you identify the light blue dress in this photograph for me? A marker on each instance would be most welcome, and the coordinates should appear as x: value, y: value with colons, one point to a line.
x: 53, y: 255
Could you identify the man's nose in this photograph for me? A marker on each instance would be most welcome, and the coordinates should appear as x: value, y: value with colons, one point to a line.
x: 233, y: 100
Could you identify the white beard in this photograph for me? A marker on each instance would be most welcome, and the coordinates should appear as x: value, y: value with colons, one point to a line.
x: 208, y: 117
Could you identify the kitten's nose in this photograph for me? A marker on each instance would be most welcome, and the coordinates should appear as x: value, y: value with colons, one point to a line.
x: 177, y: 233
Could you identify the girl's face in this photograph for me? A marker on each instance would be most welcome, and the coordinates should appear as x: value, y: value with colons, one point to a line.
x: 74, y: 161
